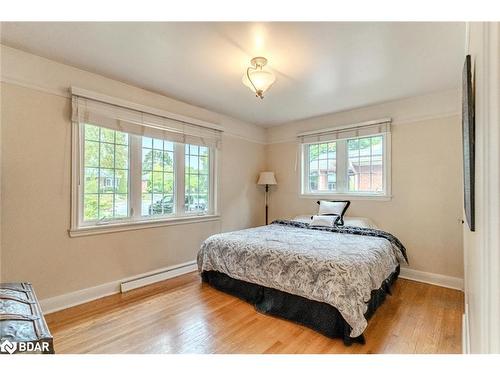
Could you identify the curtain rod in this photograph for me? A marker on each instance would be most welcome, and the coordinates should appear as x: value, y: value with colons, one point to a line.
x: 87, y: 94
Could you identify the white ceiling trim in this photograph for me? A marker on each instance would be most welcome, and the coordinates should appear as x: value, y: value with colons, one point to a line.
x: 31, y: 71
x: 290, y: 138
x: 48, y: 90
x: 66, y: 94
x: 348, y: 126
x: 321, y: 67
x: 24, y: 69
x: 403, y: 111
x: 399, y: 122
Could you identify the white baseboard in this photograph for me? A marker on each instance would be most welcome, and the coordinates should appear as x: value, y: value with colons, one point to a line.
x: 465, y: 331
x: 64, y: 301
x: 432, y: 278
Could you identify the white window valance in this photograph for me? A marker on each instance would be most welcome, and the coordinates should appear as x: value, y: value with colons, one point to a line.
x: 132, y: 121
x: 367, y: 128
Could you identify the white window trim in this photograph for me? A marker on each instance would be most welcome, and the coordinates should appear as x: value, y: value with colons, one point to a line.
x: 142, y: 108
x: 136, y: 225
x: 385, y: 196
x: 135, y: 221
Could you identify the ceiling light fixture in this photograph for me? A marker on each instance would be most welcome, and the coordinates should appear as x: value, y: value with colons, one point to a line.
x: 258, y: 79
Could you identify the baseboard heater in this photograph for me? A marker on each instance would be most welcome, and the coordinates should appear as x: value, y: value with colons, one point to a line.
x: 159, y: 275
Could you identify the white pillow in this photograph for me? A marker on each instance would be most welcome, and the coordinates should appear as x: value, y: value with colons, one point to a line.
x: 334, y: 208
x: 303, y: 218
x: 323, y: 221
x: 331, y: 208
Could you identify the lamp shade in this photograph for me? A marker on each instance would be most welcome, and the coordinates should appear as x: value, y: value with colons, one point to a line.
x: 267, y: 178
x: 261, y: 79
x: 257, y: 78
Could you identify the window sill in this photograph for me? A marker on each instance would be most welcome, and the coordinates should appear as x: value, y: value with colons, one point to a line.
x: 340, y: 196
x: 121, y: 227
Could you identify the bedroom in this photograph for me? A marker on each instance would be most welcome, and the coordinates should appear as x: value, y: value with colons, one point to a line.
x: 249, y: 187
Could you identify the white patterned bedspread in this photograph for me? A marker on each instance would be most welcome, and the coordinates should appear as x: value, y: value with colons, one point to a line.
x: 336, y: 268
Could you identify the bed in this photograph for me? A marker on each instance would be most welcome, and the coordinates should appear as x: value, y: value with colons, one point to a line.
x: 331, y: 279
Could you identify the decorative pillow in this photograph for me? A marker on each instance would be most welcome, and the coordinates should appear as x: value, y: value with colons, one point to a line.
x: 338, y: 208
x: 324, y: 220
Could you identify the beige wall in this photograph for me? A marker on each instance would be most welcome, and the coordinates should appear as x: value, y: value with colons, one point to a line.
x: 35, y: 212
x: 426, y: 208
x: 36, y: 187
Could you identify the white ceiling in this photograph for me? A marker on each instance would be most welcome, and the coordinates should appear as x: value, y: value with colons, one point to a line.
x: 321, y: 67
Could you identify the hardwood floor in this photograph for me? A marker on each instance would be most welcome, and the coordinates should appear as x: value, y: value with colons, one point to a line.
x: 182, y: 315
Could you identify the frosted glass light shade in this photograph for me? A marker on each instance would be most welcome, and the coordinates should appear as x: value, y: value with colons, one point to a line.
x: 262, y: 79
x: 267, y: 178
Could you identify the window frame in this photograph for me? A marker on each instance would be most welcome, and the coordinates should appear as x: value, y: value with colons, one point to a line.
x: 135, y: 220
x: 342, y: 170
x: 81, y: 177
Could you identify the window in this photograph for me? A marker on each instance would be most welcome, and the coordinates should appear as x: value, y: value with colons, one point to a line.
x: 107, y: 194
x: 196, y: 178
x: 128, y: 178
x: 365, y: 164
x: 105, y: 187
x: 323, y: 166
x: 157, y: 182
x: 135, y: 166
x: 354, y: 166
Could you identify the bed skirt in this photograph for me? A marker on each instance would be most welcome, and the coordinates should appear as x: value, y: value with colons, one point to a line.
x: 318, y: 316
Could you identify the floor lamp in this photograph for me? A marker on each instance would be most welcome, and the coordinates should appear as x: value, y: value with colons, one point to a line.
x: 267, y: 178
